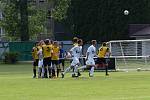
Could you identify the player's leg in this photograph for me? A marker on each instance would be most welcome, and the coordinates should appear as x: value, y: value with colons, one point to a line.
x: 35, y: 64
x: 49, y: 62
x: 75, y: 64
x: 106, y: 66
x: 91, y: 73
x: 53, y: 68
x: 68, y: 69
x: 63, y: 64
x: 45, y: 67
x: 40, y: 64
x: 58, y: 67
x: 92, y: 66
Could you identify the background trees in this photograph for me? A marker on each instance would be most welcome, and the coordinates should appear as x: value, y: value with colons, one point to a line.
x: 104, y: 19
x: 22, y: 21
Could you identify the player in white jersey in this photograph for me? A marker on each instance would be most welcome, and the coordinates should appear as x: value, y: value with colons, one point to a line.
x: 40, y: 63
x: 76, y: 53
x: 90, y: 63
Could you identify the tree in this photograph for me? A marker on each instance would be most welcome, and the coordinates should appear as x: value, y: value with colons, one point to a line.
x: 60, y: 10
x: 11, y: 20
x: 37, y: 20
x: 103, y: 19
x: 24, y: 30
x: 15, y: 23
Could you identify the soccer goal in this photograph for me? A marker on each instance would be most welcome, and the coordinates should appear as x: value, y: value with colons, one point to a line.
x: 131, y: 54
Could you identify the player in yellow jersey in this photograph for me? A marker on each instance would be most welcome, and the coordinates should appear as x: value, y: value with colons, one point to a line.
x: 47, y: 51
x: 103, y: 54
x: 35, y: 50
x: 55, y: 59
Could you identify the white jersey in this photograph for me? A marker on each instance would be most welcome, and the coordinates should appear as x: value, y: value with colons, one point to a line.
x: 40, y: 54
x: 80, y: 50
x: 76, y: 51
x: 91, y: 51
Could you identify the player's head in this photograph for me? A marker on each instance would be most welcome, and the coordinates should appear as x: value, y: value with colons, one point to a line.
x: 41, y: 43
x: 80, y: 42
x: 36, y: 43
x: 55, y: 43
x: 104, y: 44
x: 75, y: 40
x: 51, y: 42
x: 47, y: 41
x: 93, y: 42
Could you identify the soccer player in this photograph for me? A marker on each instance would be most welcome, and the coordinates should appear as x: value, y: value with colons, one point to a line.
x: 55, y: 59
x: 75, y: 52
x: 47, y: 51
x: 35, y: 49
x: 40, y: 56
x: 90, y: 63
x: 103, y: 54
x: 61, y: 58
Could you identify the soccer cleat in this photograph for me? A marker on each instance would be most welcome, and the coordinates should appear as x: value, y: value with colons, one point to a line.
x: 73, y: 75
x: 62, y: 75
x: 107, y: 74
x: 50, y: 76
x: 79, y: 74
x: 34, y: 76
x: 90, y: 75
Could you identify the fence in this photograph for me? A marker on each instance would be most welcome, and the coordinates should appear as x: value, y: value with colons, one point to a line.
x: 24, y: 49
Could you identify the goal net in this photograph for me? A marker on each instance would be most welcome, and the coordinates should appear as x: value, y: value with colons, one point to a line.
x: 131, y: 54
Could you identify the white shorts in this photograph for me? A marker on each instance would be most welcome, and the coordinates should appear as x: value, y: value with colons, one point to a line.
x: 90, y: 62
x: 40, y: 63
x: 75, y: 61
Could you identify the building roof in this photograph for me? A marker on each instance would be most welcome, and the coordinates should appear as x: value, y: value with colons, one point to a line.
x: 140, y: 30
x: 143, y: 32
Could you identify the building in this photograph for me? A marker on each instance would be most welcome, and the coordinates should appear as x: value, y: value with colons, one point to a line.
x: 139, y: 31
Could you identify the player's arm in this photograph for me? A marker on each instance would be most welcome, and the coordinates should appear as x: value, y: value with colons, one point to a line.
x: 33, y: 53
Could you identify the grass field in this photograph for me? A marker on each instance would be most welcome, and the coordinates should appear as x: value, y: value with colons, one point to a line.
x: 16, y: 83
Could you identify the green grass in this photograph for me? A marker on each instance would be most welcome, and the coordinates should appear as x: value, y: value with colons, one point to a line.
x: 16, y: 83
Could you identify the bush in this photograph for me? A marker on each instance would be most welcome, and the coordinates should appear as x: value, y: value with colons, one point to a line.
x: 11, y: 57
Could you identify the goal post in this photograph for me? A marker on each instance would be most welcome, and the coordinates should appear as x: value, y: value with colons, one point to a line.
x: 131, y: 54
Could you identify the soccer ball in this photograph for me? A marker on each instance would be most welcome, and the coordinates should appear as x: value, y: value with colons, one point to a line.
x: 126, y: 12
x: 68, y: 55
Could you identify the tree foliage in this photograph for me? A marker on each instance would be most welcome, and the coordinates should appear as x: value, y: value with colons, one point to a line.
x: 37, y: 20
x: 104, y: 19
x: 11, y: 20
x: 60, y: 10
x: 33, y: 21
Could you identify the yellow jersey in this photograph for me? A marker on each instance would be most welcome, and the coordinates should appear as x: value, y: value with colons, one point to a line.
x: 47, y: 51
x: 35, y: 52
x: 55, y: 54
x: 102, y: 51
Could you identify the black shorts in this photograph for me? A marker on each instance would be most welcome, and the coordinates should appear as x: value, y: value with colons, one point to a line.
x: 47, y: 61
x: 35, y: 63
x: 61, y: 61
x: 55, y: 62
x: 101, y: 61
